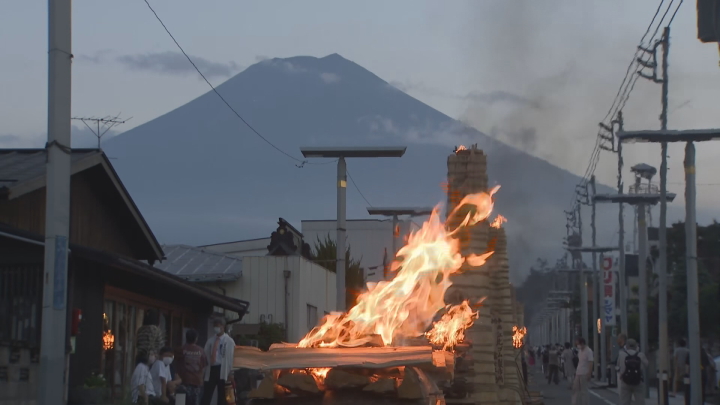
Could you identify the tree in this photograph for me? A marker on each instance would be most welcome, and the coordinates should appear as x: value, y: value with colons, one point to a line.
x: 325, y: 254
x: 268, y: 334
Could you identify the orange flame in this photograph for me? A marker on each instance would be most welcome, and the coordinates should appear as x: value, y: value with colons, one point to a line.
x: 459, y: 148
x: 499, y: 220
x: 518, y: 336
x: 405, y: 306
x: 450, y: 329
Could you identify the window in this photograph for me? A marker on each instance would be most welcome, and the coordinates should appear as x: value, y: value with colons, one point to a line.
x: 312, y: 316
x: 21, y: 304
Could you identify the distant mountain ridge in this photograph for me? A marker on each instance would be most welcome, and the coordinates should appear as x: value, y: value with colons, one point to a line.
x: 200, y: 176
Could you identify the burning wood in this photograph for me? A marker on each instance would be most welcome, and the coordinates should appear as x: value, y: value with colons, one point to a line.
x: 289, y: 358
x: 386, y: 344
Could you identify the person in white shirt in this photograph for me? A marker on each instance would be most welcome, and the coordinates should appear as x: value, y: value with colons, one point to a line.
x: 160, y: 372
x: 567, y: 356
x: 220, y: 351
x: 631, y: 362
x: 583, y: 373
x: 141, y: 384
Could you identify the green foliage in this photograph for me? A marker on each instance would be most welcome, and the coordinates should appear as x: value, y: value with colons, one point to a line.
x: 95, y: 381
x: 268, y: 334
x: 708, y: 254
x: 325, y: 253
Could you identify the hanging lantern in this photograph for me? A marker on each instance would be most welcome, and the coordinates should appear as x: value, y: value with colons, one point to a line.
x: 108, y: 340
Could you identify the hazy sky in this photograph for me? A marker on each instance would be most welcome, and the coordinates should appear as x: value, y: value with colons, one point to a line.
x: 556, y: 64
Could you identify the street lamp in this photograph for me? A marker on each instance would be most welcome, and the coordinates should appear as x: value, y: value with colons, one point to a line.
x: 394, y: 212
x: 690, y: 136
x: 340, y: 154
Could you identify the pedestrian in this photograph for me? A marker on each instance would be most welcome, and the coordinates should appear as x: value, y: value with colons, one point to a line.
x: 142, y: 390
x: 631, y: 362
x: 150, y: 338
x: 705, y: 361
x: 191, y: 363
x: 546, y: 360
x: 680, y: 358
x: 569, y: 366
x: 161, y: 376
x: 220, y: 349
x: 583, y: 373
x: 554, y: 366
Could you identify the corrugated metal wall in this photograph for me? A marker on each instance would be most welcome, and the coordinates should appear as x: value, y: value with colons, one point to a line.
x: 263, y: 284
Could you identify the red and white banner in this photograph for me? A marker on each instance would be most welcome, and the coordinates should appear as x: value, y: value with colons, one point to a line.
x: 607, y: 266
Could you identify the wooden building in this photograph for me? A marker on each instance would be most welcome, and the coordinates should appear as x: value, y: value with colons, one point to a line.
x: 111, y: 281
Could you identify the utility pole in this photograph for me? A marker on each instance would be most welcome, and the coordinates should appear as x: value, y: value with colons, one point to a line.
x: 341, y: 154
x: 583, y: 283
x: 688, y: 136
x: 621, y: 238
x: 692, y: 277
x: 53, y: 361
x: 107, y: 124
x: 642, y: 269
x: 664, y: 348
x: 596, y: 282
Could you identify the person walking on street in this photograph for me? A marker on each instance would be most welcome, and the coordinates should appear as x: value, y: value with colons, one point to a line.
x: 680, y: 358
x: 546, y: 360
x: 569, y: 366
x: 191, y: 361
x: 583, y: 374
x: 631, y: 362
x: 554, y: 366
x: 220, y: 349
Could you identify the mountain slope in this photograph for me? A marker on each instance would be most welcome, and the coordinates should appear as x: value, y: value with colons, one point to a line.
x: 200, y: 176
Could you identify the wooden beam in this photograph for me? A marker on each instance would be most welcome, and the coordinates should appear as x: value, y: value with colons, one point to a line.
x: 283, y: 357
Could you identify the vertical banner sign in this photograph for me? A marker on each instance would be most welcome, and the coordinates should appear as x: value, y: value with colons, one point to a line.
x: 608, y: 302
x: 60, y: 281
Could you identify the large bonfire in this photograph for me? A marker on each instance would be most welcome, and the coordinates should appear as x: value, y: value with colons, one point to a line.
x: 407, y: 306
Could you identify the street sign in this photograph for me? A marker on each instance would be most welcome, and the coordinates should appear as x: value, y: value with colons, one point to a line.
x: 608, y: 307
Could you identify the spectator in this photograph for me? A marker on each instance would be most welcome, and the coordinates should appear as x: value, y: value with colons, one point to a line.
x: 150, y: 338
x: 680, y: 359
x: 583, y: 373
x: 191, y: 363
x: 142, y: 390
x: 568, y: 356
x: 220, y: 349
x: 161, y: 377
x: 631, y: 362
x: 553, y: 365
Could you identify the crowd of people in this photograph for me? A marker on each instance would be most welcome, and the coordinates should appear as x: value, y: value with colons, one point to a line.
x: 576, y: 366
x: 161, y: 372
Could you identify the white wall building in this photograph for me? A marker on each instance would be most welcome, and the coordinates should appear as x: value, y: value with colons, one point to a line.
x: 368, y: 240
x: 284, y: 287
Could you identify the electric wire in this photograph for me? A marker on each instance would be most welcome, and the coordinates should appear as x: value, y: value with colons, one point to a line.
x: 301, y: 162
x: 357, y: 188
x: 623, y: 94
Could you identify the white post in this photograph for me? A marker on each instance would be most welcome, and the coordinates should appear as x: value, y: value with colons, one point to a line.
x: 52, y: 376
x: 692, y: 277
x: 340, y: 235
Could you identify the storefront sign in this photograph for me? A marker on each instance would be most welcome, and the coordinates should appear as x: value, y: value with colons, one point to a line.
x: 607, y: 265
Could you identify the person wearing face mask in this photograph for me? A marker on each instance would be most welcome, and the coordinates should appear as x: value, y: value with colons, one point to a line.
x: 142, y: 389
x: 220, y: 350
x: 160, y: 372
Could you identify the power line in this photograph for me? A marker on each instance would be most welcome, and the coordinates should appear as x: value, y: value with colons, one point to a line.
x: 626, y: 87
x: 301, y: 162
x: 357, y: 188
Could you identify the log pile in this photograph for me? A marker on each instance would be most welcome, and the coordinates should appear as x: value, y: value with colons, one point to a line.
x: 475, y: 379
x: 408, y: 373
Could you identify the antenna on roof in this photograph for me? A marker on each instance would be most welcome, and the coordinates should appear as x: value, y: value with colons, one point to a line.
x: 102, y: 125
